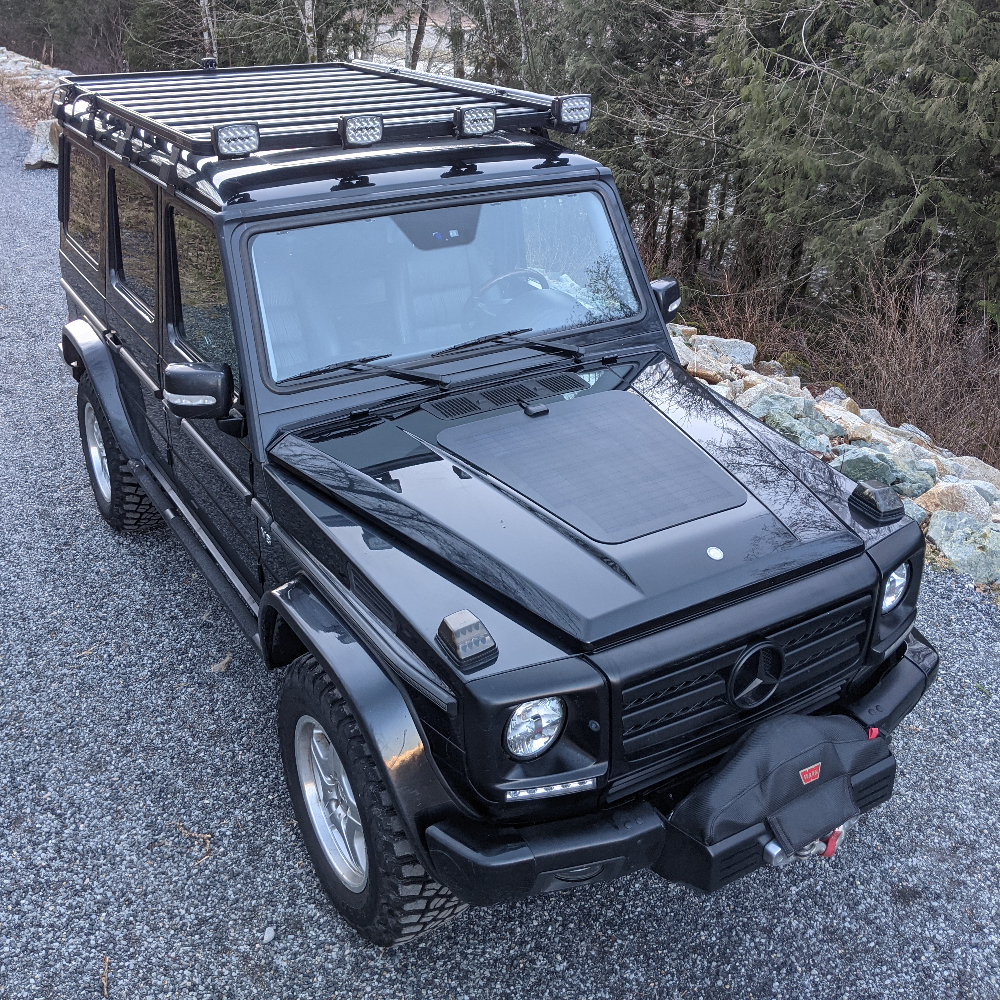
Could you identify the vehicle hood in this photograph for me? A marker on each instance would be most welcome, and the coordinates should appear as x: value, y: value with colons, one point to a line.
x: 599, y: 516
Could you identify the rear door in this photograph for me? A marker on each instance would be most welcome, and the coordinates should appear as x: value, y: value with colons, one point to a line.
x: 83, y: 202
x: 133, y: 303
x: 211, y: 467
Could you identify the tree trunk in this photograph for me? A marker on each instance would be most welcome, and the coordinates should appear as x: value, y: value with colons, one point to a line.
x: 694, y: 224
x: 668, y: 239
x: 306, y: 9
x: 418, y: 38
x: 519, y: 14
x: 456, y: 40
x: 491, y: 41
x: 209, y: 38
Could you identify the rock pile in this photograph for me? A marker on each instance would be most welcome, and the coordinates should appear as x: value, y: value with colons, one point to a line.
x: 956, y: 499
x: 31, y: 83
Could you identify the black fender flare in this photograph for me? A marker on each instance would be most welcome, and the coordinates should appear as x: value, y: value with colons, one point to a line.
x: 83, y: 349
x: 385, y: 718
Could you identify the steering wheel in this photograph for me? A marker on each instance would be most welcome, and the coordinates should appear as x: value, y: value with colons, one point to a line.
x: 525, y: 273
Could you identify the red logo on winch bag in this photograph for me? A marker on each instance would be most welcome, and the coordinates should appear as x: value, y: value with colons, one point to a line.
x: 809, y: 774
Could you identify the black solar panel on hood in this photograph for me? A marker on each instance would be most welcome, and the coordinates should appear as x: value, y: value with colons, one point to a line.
x: 609, y: 464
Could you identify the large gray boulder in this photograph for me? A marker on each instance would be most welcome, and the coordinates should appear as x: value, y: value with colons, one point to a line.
x: 972, y: 546
x: 907, y: 478
x: 741, y: 351
x: 44, y: 150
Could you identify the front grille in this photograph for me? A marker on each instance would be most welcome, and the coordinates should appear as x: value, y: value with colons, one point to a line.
x: 682, y: 714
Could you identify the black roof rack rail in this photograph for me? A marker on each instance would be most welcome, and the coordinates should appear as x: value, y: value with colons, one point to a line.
x: 290, y: 107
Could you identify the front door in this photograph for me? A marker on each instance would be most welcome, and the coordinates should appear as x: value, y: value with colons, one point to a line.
x: 133, y: 304
x: 211, y: 467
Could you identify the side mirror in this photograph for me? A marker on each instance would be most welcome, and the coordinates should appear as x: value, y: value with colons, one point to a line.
x: 198, y: 391
x: 667, y: 292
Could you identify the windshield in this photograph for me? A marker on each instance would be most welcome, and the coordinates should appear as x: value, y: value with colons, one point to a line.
x: 400, y: 286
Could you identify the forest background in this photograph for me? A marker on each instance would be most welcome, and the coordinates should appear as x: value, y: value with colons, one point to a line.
x: 823, y: 177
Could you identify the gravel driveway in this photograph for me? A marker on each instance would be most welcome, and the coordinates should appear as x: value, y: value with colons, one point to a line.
x: 147, y: 844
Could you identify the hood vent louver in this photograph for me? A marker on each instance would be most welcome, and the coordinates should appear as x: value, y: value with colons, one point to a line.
x: 499, y: 396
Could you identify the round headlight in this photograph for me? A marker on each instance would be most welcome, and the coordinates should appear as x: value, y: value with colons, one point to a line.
x: 895, y: 587
x: 534, y: 727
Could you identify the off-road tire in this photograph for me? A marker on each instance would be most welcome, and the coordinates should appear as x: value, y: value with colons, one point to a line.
x: 128, y: 509
x: 400, y: 901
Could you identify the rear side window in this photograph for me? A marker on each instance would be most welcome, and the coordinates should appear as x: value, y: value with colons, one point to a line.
x: 136, y: 236
x: 86, y: 201
x: 203, y: 325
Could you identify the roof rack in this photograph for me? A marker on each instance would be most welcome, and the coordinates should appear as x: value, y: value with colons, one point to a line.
x: 237, y: 111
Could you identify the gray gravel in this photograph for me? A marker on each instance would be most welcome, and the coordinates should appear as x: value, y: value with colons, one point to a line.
x: 119, y: 744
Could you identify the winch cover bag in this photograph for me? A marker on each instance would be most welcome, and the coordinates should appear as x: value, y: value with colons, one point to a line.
x: 792, y: 772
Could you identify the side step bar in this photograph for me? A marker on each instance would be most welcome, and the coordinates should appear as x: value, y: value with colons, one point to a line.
x: 218, y: 579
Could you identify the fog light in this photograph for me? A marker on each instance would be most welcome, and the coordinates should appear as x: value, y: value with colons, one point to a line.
x: 895, y: 587
x: 236, y: 140
x: 361, y: 130
x: 547, y: 791
x: 466, y: 638
x: 534, y: 727
x: 474, y: 121
x: 572, y: 109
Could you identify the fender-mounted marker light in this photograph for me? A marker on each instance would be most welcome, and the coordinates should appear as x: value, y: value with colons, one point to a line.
x: 466, y: 639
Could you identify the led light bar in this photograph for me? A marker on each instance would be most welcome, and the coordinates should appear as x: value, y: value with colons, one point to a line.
x: 360, y: 130
x: 240, y: 139
x: 466, y: 638
x: 573, y: 109
x: 548, y: 791
x: 471, y: 122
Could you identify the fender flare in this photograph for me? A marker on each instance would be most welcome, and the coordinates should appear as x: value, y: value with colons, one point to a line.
x: 397, y: 745
x: 84, y: 349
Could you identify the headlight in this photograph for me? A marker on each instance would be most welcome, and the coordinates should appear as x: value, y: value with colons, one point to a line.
x: 534, y: 727
x: 895, y: 587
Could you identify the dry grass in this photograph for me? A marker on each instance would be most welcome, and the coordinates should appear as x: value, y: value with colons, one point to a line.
x: 903, y: 351
x: 27, y: 102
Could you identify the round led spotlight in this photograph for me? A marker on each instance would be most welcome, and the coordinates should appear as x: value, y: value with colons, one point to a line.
x: 534, y: 727
x: 895, y: 587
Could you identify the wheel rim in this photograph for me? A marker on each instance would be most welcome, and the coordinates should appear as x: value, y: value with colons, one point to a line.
x: 333, y: 810
x: 96, y: 455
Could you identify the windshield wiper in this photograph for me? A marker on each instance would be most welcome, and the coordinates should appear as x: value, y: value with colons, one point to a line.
x: 538, y: 345
x: 335, y: 367
x: 365, y: 365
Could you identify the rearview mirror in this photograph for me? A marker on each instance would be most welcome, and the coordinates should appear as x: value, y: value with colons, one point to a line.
x: 198, y: 391
x: 667, y: 292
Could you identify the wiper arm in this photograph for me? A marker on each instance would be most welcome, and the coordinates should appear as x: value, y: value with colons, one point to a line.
x: 410, y: 375
x: 538, y: 345
x: 364, y: 364
x: 335, y: 367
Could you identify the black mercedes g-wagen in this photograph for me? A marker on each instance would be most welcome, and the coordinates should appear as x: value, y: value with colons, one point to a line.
x: 384, y: 357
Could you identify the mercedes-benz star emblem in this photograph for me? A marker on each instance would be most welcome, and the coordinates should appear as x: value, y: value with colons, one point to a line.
x: 755, y: 677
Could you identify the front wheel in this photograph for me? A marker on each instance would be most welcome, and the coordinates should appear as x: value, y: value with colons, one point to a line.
x: 351, y: 830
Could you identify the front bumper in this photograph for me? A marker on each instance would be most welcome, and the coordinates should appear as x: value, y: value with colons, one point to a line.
x: 484, y: 865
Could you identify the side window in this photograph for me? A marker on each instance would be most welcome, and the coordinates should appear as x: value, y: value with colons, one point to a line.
x: 86, y: 201
x: 136, y: 236
x: 203, y: 324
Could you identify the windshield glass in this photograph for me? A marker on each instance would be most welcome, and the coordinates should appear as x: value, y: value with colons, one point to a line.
x: 413, y: 283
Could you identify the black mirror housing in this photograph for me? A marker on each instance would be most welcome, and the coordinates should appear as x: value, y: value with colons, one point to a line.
x: 667, y: 292
x: 198, y: 390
